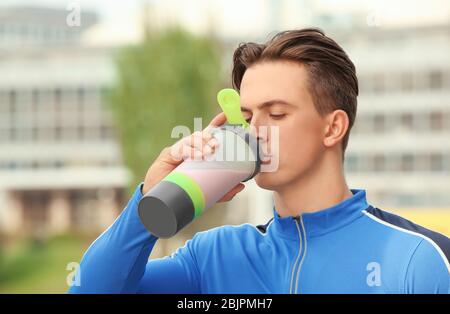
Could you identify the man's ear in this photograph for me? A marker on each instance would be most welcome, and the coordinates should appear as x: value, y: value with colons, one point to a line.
x: 336, y: 127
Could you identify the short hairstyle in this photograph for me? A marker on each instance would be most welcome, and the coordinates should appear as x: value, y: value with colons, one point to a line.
x: 332, y: 80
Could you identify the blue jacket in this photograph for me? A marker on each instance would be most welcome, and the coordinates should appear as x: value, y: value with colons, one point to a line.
x: 351, y: 247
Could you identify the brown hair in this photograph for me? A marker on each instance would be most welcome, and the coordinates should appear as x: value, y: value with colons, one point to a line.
x: 332, y: 79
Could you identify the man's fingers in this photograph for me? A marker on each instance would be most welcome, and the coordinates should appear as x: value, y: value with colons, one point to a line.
x: 204, y: 142
x: 229, y: 196
x: 201, y: 141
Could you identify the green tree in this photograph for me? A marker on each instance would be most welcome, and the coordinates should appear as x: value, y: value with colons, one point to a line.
x: 166, y: 81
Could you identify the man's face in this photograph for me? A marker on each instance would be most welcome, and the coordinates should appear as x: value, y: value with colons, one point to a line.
x: 274, y: 93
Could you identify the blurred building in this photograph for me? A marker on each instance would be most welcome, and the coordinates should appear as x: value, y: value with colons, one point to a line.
x: 399, y: 149
x: 60, y: 166
x: 60, y: 162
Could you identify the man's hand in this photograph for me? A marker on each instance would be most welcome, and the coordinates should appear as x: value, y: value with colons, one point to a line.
x: 198, y: 145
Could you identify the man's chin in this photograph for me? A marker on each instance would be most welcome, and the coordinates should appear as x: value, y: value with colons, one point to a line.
x: 268, y: 180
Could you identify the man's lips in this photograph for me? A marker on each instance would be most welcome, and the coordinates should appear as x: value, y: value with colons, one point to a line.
x: 266, y: 159
x: 264, y: 154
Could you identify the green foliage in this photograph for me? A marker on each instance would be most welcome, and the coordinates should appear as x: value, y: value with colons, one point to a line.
x: 166, y: 81
x: 41, y: 266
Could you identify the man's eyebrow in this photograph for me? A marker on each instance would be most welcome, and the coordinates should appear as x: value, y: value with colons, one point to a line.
x: 268, y: 104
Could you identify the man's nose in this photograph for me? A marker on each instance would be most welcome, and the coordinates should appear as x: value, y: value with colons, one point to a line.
x: 258, y: 130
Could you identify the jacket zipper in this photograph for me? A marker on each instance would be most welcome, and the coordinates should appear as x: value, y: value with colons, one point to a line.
x: 298, y: 256
x: 304, y: 254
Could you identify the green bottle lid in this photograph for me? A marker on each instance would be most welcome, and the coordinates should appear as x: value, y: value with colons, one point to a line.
x: 229, y: 101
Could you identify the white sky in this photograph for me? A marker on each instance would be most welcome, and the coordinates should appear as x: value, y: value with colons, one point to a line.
x: 241, y: 18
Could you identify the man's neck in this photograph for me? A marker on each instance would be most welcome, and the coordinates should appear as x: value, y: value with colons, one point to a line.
x: 323, y: 187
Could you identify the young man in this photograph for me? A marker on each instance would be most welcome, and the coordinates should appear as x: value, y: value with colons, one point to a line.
x: 323, y: 238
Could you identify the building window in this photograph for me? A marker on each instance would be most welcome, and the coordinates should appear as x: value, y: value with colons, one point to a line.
x: 35, y: 210
x: 379, y: 123
x: 407, y: 121
x: 436, y: 121
x: 436, y: 79
x: 351, y: 163
x: 446, y: 162
x: 106, y: 132
x: 58, y: 132
x: 436, y: 162
x: 422, y: 122
x: 12, y: 102
x: 422, y: 162
x: 407, y: 83
x: 379, y: 83
x: 84, y: 214
x: 4, y: 105
x: 363, y: 124
x: 379, y: 163
x: 46, y: 134
x: 69, y: 134
x: 407, y: 162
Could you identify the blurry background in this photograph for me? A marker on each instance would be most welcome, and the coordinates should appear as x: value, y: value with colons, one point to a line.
x: 90, y: 90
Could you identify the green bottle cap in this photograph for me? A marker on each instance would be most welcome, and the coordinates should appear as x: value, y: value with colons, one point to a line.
x: 228, y: 100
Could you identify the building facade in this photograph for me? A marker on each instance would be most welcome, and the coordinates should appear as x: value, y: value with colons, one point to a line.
x: 399, y: 148
x: 60, y: 162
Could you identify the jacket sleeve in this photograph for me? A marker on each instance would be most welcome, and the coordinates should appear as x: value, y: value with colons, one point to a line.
x: 428, y: 270
x: 118, y: 261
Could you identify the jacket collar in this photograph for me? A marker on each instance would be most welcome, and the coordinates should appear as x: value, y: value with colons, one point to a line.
x: 322, y: 221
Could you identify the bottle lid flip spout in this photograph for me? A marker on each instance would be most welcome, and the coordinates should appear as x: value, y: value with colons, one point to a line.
x: 229, y: 101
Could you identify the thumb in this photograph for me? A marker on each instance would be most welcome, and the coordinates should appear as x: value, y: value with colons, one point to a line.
x: 218, y: 120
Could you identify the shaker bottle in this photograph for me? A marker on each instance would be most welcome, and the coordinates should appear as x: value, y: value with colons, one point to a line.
x: 195, y: 185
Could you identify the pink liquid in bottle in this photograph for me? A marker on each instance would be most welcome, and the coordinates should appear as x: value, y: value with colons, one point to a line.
x: 215, y: 183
